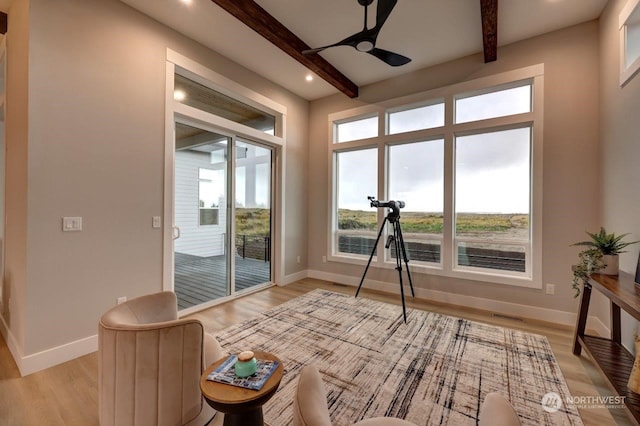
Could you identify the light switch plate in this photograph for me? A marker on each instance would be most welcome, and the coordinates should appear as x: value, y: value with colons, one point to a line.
x: 71, y: 224
x: 156, y: 222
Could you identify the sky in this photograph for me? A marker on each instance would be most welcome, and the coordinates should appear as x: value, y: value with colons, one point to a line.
x: 492, y: 170
x: 254, y: 160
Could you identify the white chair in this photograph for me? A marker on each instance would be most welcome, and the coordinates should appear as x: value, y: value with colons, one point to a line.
x: 310, y: 404
x: 150, y: 363
x: 497, y: 411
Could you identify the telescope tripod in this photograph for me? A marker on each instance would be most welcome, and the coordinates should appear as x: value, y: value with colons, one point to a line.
x: 398, y: 242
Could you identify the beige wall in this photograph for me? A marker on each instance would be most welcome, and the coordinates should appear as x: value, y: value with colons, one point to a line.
x: 15, y: 273
x: 620, y: 136
x: 571, y: 198
x: 96, y: 150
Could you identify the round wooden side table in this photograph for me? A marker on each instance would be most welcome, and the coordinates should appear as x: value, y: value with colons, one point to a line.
x: 241, y: 407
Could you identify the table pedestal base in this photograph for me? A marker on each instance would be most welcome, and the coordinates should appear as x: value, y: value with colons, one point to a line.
x: 251, y: 417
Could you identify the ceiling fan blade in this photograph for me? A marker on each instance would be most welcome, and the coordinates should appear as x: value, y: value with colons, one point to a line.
x: 384, y: 10
x: 393, y: 59
x: 352, y: 41
x: 316, y: 50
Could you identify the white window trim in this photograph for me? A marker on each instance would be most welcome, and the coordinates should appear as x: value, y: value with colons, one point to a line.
x: 514, y: 78
x: 176, y: 62
x: 626, y: 73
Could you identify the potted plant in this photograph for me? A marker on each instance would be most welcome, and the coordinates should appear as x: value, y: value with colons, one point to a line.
x: 589, y: 262
x: 601, y: 256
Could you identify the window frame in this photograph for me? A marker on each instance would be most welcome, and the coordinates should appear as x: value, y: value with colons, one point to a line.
x: 200, y: 181
x: 533, y: 75
x: 277, y: 142
x: 627, y: 72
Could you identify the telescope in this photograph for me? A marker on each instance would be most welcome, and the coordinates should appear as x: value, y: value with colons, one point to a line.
x: 395, y: 207
x: 397, y: 240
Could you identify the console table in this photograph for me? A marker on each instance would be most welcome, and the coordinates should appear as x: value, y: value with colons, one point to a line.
x: 612, y: 359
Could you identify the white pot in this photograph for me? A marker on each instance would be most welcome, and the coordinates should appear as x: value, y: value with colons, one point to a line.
x: 611, y: 264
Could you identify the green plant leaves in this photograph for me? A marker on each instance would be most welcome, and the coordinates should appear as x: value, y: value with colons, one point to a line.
x: 608, y: 244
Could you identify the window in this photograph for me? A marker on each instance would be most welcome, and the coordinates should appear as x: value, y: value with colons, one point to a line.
x: 493, y: 104
x: 416, y: 176
x: 408, y: 120
x: 356, y: 221
x: 492, y: 193
x: 470, y: 181
x: 352, y: 130
x: 211, y: 192
x: 206, y: 99
x: 629, y: 41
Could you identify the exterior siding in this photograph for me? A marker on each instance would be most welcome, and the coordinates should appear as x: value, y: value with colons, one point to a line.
x: 196, y: 240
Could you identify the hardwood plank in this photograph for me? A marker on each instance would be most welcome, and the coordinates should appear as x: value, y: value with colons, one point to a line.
x: 68, y: 393
x: 259, y: 20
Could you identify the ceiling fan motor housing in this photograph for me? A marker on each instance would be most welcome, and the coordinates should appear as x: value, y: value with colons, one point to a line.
x: 365, y: 46
x: 365, y: 40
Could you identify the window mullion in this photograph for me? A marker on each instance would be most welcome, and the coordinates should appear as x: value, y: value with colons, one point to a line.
x: 382, y: 193
x: 448, y: 246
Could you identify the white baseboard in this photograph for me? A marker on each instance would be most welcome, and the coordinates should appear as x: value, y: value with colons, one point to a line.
x: 54, y: 356
x: 504, y: 308
x: 49, y: 357
x: 297, y: 276
x: 594, y: 323
x: 11, y: 342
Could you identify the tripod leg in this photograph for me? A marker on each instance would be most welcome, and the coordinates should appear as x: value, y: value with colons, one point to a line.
x: 405, y: 257
x: 396, y: 227
x: 375, y: 245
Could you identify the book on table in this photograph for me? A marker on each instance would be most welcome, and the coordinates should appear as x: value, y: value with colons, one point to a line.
x: 225, y: 373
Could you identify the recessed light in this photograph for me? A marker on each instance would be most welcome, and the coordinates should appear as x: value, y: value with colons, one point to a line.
x: 179, y: 95
x: 186, y: 1
x: 309, y: 77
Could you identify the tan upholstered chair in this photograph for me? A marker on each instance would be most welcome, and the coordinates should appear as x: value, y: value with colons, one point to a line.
x: 497, y: 411
x: 310, y: 404
x: 150, y: 362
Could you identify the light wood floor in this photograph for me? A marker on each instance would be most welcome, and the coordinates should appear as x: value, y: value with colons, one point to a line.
x: 67, y: 394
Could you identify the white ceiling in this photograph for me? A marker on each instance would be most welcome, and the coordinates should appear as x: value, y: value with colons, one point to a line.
x: 428, y: 31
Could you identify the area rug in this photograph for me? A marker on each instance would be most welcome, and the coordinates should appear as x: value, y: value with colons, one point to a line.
x: 433, y: 370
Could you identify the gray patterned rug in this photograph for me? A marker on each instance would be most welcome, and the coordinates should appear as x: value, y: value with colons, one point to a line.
x: 434, y: 370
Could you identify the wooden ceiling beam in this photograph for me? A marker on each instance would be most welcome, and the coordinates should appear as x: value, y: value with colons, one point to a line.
x: 258, y: 19
x: 4, y: 21
x: 489, y: 12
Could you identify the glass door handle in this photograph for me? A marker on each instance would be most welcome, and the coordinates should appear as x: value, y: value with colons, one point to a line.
x: 176, y: 232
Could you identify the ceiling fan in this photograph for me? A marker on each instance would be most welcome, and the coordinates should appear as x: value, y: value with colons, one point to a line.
x: 365, y: 40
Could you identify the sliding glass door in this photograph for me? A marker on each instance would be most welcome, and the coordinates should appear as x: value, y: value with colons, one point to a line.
x: 201, y: 253
x: 222, y: 244
x: 252, y: 215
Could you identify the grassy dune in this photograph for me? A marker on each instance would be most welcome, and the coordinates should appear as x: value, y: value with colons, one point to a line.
x: 433, y: 222
x: 255, y: 222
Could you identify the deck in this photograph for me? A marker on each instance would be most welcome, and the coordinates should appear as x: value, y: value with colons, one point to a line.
x: 202, y: 279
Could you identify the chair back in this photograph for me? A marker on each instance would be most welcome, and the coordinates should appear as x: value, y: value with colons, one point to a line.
x: 149, y: 364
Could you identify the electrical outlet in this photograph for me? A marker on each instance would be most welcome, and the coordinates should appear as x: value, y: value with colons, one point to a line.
x: 551, y: 289
x: 298, y: 259
x: 121, y: 299
x: 71, y: 224
x: 324, y: 259
x: 156, y: 222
